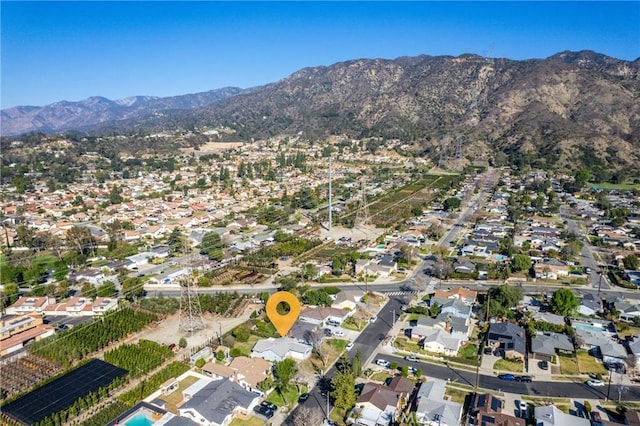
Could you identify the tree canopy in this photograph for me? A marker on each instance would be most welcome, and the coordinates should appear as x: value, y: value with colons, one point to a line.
x: 452, y: 203
x: 563, y: 302
x: 521, y: 262
x: 284, y: 371
x: 212, y: 246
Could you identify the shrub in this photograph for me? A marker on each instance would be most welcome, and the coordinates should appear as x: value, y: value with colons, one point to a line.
x: 235, y: 352
x: 242, y: 333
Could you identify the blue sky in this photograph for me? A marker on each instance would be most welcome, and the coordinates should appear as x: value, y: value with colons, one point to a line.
x: 54, y: 51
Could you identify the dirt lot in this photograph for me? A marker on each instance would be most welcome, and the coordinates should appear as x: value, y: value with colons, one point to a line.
x: 368, y: 232
x: 167, y: 331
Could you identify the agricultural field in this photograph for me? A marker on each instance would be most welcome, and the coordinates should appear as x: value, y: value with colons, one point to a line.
x: 24, y: 373
x: 64, y: 392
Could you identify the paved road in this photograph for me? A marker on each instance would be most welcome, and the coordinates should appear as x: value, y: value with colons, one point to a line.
x: 366, y: 343
x: 554, y: 389
x: 597, y: 277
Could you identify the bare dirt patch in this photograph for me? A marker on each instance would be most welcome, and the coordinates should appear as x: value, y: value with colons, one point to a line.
x: 167, y: 332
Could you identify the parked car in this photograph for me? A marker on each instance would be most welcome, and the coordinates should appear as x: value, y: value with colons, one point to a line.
x: 595, y: 383
x: 411, y: 358
x: 373, y: 318
x: 303, y: 397
x: 524, y: 379
x: 349, y: 346
x: 383, y: 362
x: 488, y: 350
x: 264, y: 411
x: 543, y: 365
x: 328, y: 332
x: 522, y: 406
x: 403, y: 308
x: 508, y: 377
x: 595, y: 416
x: 270, y: 405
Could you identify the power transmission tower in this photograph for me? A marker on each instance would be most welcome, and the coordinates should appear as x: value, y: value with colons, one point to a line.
x: 190, y: 310
x: 362, y: 214
x: 458, y: 156
x: 330, y: 204
x: 444, y: 153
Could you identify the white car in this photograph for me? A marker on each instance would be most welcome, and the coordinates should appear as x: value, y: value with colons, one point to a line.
x: 338, y: 333
x: 595, y: 383
x: 373, y: 318
x: 522, y: 406
x: 382, y: 363
x: 349, y: 346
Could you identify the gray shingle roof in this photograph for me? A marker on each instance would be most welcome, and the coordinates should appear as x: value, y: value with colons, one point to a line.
x: 548, y: 343
x: 218, y: 399
x: 511, y: 335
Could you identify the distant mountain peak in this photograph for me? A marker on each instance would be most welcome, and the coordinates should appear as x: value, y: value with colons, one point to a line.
x: 95, y: 111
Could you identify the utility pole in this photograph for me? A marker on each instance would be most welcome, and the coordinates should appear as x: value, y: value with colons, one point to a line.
x: 366, y: 285
x: 609, y: 387
x: 478, y: 372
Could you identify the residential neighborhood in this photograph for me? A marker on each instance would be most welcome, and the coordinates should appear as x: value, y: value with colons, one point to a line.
x: 442, y: 301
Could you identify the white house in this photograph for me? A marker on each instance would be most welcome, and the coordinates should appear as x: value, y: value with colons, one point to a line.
x: 278, y: 349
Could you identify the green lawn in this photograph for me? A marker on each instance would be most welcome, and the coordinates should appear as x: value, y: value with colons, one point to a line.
x: 568, y: 365
x: 380, y: 376
x: 405, y: 344
x: 469, y: 352
x: 252, y: 421
x: 508, y: 365
x: 338, y: 344
x: 625, y: 330
x: 456, y: 395
x: 246, y: 347
x: 622, y: 186
x: 354, y: 324
x: 291, y: 395
x: 588, y: 364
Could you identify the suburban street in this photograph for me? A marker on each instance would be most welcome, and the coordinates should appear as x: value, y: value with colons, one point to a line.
x: 369, y: 340
x: 535, y: 388
x: 597, y: 277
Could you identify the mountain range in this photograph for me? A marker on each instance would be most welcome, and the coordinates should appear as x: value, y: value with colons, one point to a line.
x: 573, y: 109
x: 93, y: 112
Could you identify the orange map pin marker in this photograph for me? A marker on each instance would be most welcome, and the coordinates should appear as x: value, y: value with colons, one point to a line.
x: 283, y: 322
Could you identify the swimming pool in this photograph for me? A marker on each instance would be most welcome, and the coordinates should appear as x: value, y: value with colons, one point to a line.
x: 589, y: 327
x: 139, y: 420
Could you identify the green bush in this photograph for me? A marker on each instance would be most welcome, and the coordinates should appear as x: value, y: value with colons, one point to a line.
x: 235, y: 352
x: 241, y: 333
